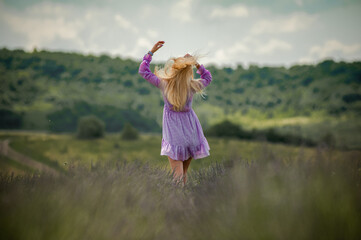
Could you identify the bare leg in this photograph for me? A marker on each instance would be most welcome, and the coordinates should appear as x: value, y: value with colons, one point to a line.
x: 186, y: 164
x: 177, y: 168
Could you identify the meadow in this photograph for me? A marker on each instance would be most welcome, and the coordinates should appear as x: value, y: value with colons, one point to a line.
x: 116, y: 189
x: 110, y: 188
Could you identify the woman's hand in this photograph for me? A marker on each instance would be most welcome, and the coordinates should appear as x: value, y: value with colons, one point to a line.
x: 158, y: 45
x: 188, y: 55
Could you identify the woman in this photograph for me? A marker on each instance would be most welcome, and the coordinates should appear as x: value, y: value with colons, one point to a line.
x: 182, y: 133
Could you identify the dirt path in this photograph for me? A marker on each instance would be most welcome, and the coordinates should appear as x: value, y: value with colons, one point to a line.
x: 7, y: 151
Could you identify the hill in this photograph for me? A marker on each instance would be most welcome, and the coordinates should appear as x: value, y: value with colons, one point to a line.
x: 50, y: 90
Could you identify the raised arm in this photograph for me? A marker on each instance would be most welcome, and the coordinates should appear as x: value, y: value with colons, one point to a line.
x: 144, y: 69
x: 145, y: 72
x: 206, y: 76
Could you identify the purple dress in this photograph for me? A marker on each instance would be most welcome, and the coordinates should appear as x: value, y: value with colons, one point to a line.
x: 182, y: 133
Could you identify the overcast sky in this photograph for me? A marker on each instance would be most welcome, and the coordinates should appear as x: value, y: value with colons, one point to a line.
x: 263, y: 32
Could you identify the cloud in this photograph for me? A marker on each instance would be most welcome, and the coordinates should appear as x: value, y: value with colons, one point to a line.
x: 240, y: 47
x: 118, y: 50
x: 143, y: 42
x: 333, y: 47
x: 273, y: 45
x: 148, y: 11
x: 130, y: 29
x: 63, y: 26
x: 234, y: 11
x: 299, y: 2
x: 231, y: 53
x: 141, y: 47
x: 250, y: 46
x: 181, y: 11
x: 294, y: 22
x: 152, y: 33
x: 211, y: 43
x: 44, y: 23
x: 49, y: 10
x: 124, y: 23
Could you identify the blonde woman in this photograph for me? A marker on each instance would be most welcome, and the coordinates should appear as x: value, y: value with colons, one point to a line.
x: 182, y: 133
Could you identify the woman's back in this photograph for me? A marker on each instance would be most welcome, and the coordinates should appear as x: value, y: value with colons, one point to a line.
x: 187, y: 106
x: 182, y: 133
x: 205, y: 80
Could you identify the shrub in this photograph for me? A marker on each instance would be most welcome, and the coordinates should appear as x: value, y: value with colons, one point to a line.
x: 328, y: 139
x: 90, y: 127
x: 129, y: 132
x: 10, y: 119
x: 228, y: 129
x: 273, y: 136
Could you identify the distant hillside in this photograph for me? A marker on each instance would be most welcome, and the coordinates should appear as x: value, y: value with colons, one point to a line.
x: 51, y: 90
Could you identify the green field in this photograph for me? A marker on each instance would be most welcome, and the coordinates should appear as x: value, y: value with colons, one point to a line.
x: 114, y: 189
x: 60, y: 150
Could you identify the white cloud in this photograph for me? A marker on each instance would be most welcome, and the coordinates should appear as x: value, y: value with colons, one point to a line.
x: 63, y: 26
x: 273, y: 45
x: 294, y: 22
x: 306, y: 60
x: 118, y: 50
x: 143, y: 42
x: 131, y: 29
x: 211, y: 43
x: 181, y: 11
x: 141, y: 47
x: 152, y: 33
x: 233, y: 52
x: 49, y: 10
x: 235, y: 11
x: 124, y: 23
x: 299, y: 2
x: 240, y: 47
x: 333, y: 47
x: 148, y: 11
x: 44, y: 23
x: 250, y: 46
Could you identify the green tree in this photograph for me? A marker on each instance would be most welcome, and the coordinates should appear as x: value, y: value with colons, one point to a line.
x: 328, y: 139
x: 129, y: 132
x: 227, y: 129
x: 90, y: 127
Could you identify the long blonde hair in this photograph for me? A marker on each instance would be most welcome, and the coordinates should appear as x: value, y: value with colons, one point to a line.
x: 177, y: 80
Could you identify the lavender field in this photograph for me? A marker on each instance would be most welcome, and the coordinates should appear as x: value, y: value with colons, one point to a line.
x: 270, y: 196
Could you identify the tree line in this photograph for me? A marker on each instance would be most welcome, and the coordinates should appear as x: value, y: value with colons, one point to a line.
x: 52, y: 90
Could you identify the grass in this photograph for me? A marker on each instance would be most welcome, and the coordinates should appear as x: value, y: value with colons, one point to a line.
x: 10, y: 166
x: 60, y: 150
x: 263, y: 197
x: 314, y: 126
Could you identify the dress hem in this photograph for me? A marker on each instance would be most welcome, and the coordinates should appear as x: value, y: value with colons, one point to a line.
x: 182, y: 153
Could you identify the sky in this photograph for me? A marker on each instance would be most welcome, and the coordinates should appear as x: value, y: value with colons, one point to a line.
x: 228, y: 33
